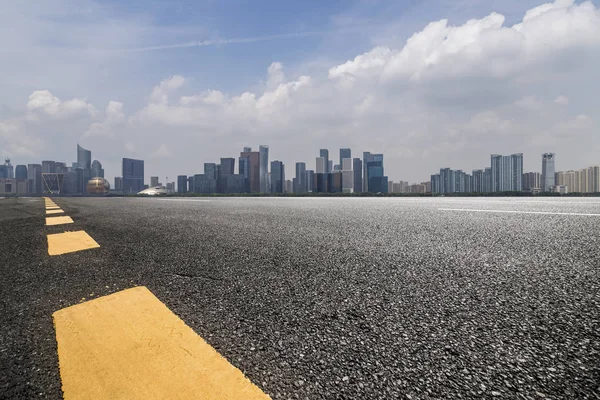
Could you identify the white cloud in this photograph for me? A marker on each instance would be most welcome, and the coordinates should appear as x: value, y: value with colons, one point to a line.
x: 45, y: 102
x: 161, y: 152
x: 562, y: 100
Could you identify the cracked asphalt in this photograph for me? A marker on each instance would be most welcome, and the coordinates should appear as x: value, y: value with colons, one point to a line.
x: 328, y: 298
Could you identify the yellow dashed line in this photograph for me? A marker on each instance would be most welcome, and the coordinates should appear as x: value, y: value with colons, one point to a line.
x: 69, y: 242
x: 52, y: 207
x: 129, y: 345
x: 58, y: 220
x: 57, y: 211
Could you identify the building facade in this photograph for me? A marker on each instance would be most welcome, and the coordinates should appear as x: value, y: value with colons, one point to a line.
x: 133, y: 175
x: 548, y: 170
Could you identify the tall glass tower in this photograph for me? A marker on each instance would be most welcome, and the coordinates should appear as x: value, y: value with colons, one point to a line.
x: 264, y: 168
x: 548, y: 171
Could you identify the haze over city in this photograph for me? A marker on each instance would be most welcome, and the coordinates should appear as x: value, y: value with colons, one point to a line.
x: 431, y: 84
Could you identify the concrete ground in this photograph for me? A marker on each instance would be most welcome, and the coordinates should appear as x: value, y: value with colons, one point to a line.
x: 327, y: 298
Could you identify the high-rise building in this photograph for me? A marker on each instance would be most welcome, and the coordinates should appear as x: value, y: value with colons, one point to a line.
x: 264, y: 168
x: 344, y: 153
x: 321, y: 164
x: 84, y: 158
x: 548, y: 167
x: 375, y: 174
x: 324, y: 153
x: 300, y: 179
x: 531, y: 181
x: 330, y: 166
x: 247, y: 149
x: 133, y: 176
x: 310, y: 178
x: 278, y: 177
x: 118, y: 183
x: 182, y: 183
x: 154, y: 181
x: 244, y: 170
x: 435, y: 184
x: 21, y: 173
x: 357, y: 167
x: 477, y: 181
x: 253, y: 170
x: 347, y: 175
x: 7, y: 170
x: 97, y: 170
x: 507, y: 172
x: 289, y: 188
x: 367, y: 157
x: 48, y: 167
x: 227, y: 166
x: 487, y: 180
x: 34, y: 175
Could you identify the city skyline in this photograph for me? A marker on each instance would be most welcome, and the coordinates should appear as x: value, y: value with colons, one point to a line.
x: 458, y: 100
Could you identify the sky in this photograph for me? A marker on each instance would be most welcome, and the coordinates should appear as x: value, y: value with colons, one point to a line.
x: 429, y: 83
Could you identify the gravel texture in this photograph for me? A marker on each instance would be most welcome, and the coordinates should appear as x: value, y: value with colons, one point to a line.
x: 325, y: 298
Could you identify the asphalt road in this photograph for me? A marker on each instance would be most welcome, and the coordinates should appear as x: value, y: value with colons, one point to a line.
x: 329, y: 298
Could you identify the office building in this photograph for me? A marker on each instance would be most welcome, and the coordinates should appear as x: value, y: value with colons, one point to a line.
x: 548, y: 166
x: 507, y: 172
x: 264, y: 168
x: 324, y: 153
x: 21, y: 173
x: 97, y: 170
x: 278, y: 183
x: 487, y: 180
x: 330, y: 166
x: 310, y: 177
x: 133, y: 175
x: 344, y: 153
x: 377, y: 181
x: 48, y: 167
x: 119, y: 183
x: 227, y: 166
x: 34, y: 175
x: 357, y: 167
x: 347, y: 175
x: 299, y: 182
x: 182, y: 184
x: 253, y: 170
x: 154, y: 181
x: 321, y: 164
x: 7, y: 170
x: 365, y: 180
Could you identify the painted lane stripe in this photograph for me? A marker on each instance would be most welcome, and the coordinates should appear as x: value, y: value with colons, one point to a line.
x: 129, y: 345
x: 69, y: 242
x: 52, y: 207
x: 56, y: 211
x: 519, y: 212
x: 182, y: 200
x: 58, y: 220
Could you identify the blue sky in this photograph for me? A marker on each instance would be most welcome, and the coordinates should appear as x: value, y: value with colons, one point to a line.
x: 121, y: 51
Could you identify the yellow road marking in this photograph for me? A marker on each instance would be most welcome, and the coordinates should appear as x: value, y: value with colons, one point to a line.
x: 129, y: 345
x: 69, y: 242
x: 54, y: 207
x: 58, y: 220
x: 57, y: 211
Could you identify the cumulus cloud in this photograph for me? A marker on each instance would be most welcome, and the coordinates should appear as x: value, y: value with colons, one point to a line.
x: 50, y: 105
x: 482, y: 47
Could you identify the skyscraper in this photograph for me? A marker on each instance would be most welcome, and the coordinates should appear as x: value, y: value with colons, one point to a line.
x: 84, y: 158
x: 344, y: 153
x: 366, y: 158
x: 227, y: 166
x: 310, y: 178
x: 8, y: 169
x: 119, y: 183
x: 375, y: 174
x: 48, y: 167
x: 253, y: 170
x: 264, y: 168
x: 154, y: 181
x: 507, y: 172
x: 133, y: 175
x: 548, y: 171
x: 97, y: 170
x: 533, y: 180
x: 34, y: 175
x: 21, y: 172
x: 325, y: 154
x: 300, y: 179
x: 182, y: 184
x: 347, y: 176
x: 321, y: 164
x: 477, y: 186
x: 277, y: 177
x: 357, y: 167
